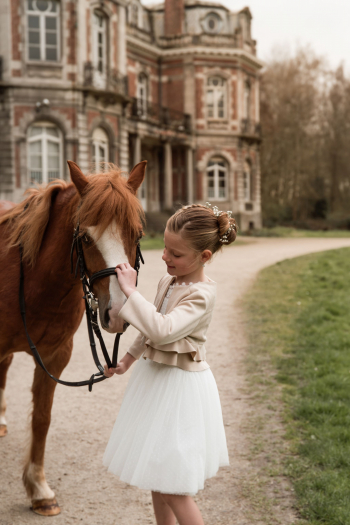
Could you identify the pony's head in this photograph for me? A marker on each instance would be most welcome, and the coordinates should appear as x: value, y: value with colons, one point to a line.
x: 110, y: 224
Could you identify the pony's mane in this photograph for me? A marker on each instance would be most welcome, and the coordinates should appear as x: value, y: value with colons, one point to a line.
x: 107, y: 197
x: 26, y: 222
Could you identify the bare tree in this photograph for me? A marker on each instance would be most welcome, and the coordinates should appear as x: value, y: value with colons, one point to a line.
x: 305, y: 115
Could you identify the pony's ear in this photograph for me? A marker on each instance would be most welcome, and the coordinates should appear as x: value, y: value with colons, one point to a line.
x: 78, y: 178
x: 137, y: 174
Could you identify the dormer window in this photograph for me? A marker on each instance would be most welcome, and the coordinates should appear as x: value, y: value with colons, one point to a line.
x: 135, y: 15
x: 212, y: 23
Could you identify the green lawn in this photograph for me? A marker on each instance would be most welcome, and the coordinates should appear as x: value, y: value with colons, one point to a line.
x: 298, y: 316
x: 156, y: 242
x: 281, y: 231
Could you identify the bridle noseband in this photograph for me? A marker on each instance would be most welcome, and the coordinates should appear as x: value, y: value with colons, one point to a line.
x: 91, y: 309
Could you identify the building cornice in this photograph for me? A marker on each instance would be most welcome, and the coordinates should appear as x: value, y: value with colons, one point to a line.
x: 214, y: 51
x: 143, y: 46
x: 196, y: 51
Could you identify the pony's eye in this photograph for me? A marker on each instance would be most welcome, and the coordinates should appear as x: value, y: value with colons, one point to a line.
x: 139, y: 237
x: 86, y: 239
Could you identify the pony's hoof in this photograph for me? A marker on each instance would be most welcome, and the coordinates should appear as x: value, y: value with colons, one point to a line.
x: 3, y: 430
x: 45, y: 507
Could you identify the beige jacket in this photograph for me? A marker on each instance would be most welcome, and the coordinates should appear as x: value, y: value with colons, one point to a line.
x: 176, y: 338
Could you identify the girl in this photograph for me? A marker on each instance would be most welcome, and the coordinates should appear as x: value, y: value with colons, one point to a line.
x: 169, y: 435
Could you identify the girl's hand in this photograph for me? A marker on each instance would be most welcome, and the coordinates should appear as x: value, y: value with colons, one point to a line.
x: 108, y: 372
x: 123, y: 365
x: 121, y: 368
x: 126, y: 278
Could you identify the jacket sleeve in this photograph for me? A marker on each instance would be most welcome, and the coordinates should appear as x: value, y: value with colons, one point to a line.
x: 164, y: 329
x: 138, y: 347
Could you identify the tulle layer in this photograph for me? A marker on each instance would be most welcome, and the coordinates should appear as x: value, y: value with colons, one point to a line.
x: 169, y: 435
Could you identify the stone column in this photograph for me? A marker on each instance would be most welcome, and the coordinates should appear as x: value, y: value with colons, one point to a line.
x: 136, y: 159
x: 122, y: 40
x: 137, y: 150
x: 168, y: 176
x: 189, y: 174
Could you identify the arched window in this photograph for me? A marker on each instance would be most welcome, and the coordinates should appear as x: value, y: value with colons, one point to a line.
x: 44, y: 152
x: 246, y: 101
x: 100, y: 150
x: 43, y: 24
x: 216, y: 98
x: 217, y: 178
x: 142, y: 94
x: 99, y: 35
x: 247, y: 182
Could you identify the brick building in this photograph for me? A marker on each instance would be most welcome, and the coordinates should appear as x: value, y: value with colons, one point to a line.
x: 112, y: 80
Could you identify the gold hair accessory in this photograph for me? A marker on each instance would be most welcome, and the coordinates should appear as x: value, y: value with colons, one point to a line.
x: 224, y: 238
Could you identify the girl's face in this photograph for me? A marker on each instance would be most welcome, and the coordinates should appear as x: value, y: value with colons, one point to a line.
x: 179, y: 257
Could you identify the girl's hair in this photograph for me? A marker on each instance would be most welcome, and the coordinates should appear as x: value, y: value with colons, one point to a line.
x: 198, y: 225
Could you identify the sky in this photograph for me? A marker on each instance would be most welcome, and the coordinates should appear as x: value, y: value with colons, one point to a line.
x: 322, y: 24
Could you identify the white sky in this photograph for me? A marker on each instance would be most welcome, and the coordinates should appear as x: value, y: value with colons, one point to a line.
x: 324, y: 24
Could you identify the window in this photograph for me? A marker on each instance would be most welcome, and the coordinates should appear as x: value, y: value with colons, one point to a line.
x: 134, y: 14
x: 142, y: 94
x: 246, y: 101
x: 43, y: 30
x: 99, y: 48
x: 45, y: 153
x: 247, y: 182
x: 216, y: 97
x: 99, y: 149
x: 217, y: 179
x: 212, y: 23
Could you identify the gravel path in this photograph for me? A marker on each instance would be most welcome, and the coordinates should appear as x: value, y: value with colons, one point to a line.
x: 82, y: 421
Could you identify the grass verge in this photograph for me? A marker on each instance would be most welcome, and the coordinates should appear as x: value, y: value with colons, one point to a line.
x: 281, y: 231
x: 156, y: 242
x: 298, y: 314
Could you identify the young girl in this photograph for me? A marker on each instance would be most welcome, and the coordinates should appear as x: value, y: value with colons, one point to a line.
x: 169, y: 435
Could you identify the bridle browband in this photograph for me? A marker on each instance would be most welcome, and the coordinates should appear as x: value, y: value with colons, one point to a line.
x: 91, y: 309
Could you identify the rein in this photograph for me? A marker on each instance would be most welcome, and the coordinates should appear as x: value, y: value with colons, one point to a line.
x: 91, y: 308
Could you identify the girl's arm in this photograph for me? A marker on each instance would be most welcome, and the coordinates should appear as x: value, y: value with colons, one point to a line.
x: 164, y: 329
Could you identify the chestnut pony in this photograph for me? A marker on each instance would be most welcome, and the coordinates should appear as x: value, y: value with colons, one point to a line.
x: 110, y: 218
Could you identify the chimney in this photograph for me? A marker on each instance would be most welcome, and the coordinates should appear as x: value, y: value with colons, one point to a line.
x: 174, y: 13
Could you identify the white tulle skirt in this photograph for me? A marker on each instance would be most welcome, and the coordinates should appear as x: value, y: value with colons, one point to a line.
x: 169, y: 435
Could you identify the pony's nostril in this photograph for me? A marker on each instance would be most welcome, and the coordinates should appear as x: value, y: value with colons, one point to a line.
x: 106, y: 317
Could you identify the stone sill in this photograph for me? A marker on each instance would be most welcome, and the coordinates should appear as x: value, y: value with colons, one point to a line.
x: 44, y: 64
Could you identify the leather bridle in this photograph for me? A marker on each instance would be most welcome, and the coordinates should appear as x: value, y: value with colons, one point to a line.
x: 91, y: 309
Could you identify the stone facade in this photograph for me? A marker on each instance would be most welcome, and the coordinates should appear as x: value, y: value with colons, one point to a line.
x: 176, y: 84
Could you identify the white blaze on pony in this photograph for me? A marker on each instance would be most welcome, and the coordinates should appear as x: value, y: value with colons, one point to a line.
x: 112, y: 250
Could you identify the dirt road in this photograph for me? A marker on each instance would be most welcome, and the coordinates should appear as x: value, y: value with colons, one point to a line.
x: 82, y: 421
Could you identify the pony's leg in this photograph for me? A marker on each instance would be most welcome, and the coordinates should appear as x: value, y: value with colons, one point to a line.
x: 43, y: 498
x: 4, y: 366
